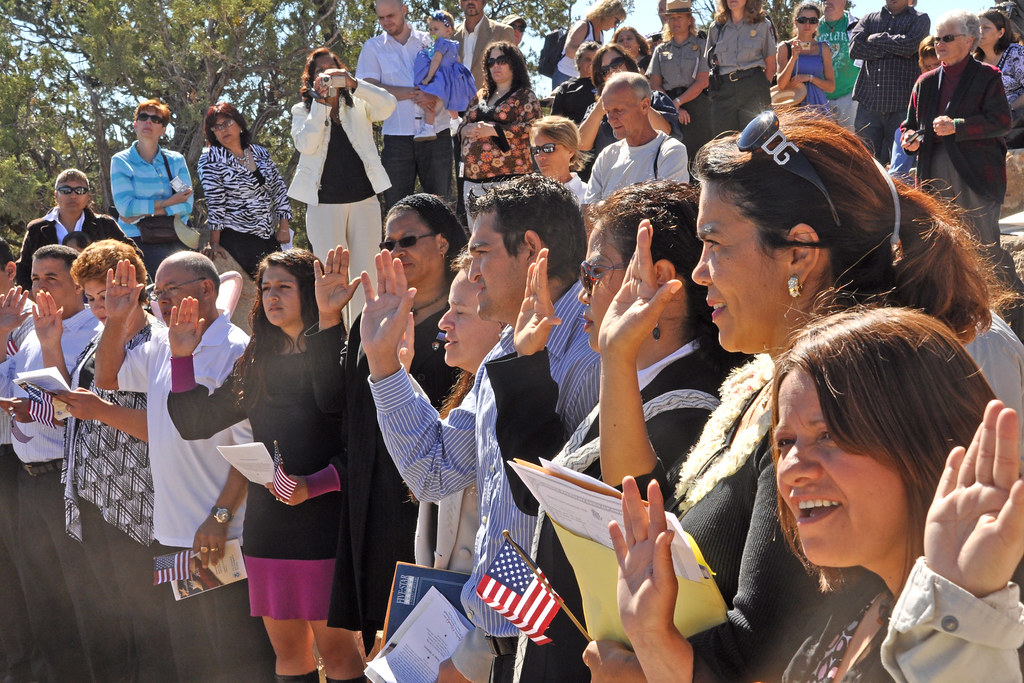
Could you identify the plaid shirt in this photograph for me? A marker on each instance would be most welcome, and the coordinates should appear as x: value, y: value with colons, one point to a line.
x: 888, y: 45
x: 981, y: 114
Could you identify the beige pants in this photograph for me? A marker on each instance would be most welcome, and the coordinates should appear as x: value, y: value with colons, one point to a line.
x: 355, y: 226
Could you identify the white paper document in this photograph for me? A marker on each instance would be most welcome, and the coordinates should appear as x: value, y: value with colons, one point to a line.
x: 586, y: 513
x: 252, y: 460
x: 427, y: 637
x: 47, y: 379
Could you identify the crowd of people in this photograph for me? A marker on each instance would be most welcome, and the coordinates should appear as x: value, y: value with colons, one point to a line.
x: 735, y: 311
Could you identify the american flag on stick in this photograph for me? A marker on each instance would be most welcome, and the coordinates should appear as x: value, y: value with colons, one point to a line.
x: 284, y: 485
x: 519, y: 593
x: 173, y: 567
x: 40, y: 406
x: 12, y: 346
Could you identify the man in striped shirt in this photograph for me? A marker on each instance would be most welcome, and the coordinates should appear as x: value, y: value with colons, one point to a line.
x: 514, y: 222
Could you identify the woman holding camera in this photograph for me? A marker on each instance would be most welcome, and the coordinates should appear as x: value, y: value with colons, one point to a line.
x: 151, y: 187
x: 340, y: 173
x: 806, y: 61
x: 245, y: 195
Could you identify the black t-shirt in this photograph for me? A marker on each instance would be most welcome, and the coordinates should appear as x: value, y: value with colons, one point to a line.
x: 344, y: 178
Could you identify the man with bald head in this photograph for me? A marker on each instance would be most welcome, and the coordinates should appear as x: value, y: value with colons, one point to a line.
x: 641, y: 153
x: 412, y: 148
x: 199, y: 499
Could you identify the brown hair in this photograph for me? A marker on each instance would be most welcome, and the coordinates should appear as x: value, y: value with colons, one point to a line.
x: 99, y: 257
x: 926, y: 50
x: 307, y: 76
x: 565, y: 132
x: 464, y: 383
x: 520, y: 76
x: 941, y: 271
x: 161, y: 109
x: 225, y: 109
x: 606, y: 9
x: 895, y: 385
x: 753, y: 12
x: 645, y: 48
x: 598, y: 77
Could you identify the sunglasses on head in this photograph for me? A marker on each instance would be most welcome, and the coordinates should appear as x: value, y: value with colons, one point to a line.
x: 763, y: 133
x: 404, y: 242
x: 65, y: 189
x: 948, y: 38
x: 155, y: 118
x: 546, y: 148
x: 500, y: 60
x: 614, y: 64
x: 807, y: 20
x: 590, y: 273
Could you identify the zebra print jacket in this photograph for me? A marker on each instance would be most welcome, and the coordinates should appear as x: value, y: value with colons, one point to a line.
x: 238, y: 200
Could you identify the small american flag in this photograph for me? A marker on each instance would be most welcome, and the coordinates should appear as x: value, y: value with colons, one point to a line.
x: 284, y: 486
x: 512, y: 589
x: 12, y: 346
x: 173, y: 567
x: 40, y: 406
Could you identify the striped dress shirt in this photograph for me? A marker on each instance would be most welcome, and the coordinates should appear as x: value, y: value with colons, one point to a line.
x: 439, y: 457
x: 136, y: 185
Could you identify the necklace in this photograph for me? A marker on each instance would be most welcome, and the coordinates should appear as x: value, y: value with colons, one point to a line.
x: 417, y: 309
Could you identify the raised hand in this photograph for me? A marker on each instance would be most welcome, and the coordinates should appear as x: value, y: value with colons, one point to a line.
x: 974, y: 532
x: 185, y: 328
x: 537, y: 314
x: 332, y: 286
x: 123, y: 292
x: 639, y: 303
x: 385, y: 316
x: 48, y: 320
x: 12, y: 311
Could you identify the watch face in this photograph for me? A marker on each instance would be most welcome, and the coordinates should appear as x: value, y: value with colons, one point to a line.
x: 222, y: 515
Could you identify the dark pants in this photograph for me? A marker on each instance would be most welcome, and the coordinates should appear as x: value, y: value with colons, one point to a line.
x: 406, y: 159
x: 248, y: 249
x: 213, y: 637
x: 17, y: 646
x: 876, y: 130
x: 697, y: 132
x: 50, y: 610
x: 737, y: 103
x: 154, y: 254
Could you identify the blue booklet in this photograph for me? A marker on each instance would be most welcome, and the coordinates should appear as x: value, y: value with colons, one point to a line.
x: 411, y: 583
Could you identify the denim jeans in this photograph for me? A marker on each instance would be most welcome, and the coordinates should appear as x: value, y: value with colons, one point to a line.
x: 406, y: 159
x: 876, y: 130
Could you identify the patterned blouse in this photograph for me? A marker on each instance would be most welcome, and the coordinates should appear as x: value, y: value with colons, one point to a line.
x: 240, y: 200
x: 105, y: 466
x: 1011, y: 64
x: 510, y: 154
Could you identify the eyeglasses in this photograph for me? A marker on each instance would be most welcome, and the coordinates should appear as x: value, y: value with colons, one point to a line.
x: 590, y: 273
x: 807, y: 20
x: 763, y: 133
x: 612, y: 65
x: 223, y: 125
x: 546, y: 148
x: 66, y: 189
x: 155, y: 118
x: 405, y: 242
x: 165, y: 294
x: 500, y: 60
x: 948, y: 38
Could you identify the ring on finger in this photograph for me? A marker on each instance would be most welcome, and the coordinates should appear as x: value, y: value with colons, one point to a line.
x: 204, y: 549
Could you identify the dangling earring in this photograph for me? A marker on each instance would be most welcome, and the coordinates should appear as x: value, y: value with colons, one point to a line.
x: 656, y: 333
x: 794, y: 287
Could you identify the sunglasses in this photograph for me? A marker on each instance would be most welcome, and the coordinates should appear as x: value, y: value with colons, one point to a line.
x: 405, y: 242
x: 223, y: 125
x: 590, y: 273
x: 500, y: 60
x: 155, y: 118
x: 763, y: 133
x: 807, y: 20
x: 949, y: 38
x: 64, y: 189
x: 546, y: 148
x: 612, y: 65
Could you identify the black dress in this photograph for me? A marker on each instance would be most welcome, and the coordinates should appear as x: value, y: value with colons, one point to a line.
x: 299, y: 408
x: 378, y: 521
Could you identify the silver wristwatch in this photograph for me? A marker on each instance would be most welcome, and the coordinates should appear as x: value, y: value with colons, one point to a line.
x: 222, y: 515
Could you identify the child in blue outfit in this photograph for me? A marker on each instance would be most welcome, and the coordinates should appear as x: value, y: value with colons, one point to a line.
x: 437, y: 70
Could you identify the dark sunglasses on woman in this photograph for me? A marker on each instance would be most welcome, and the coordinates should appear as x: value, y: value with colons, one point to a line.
x: 404, y: 242
x: 64, y: 189
x: 500, y: 60
x: 807, y: 20
x: 547, y: 148
x: 590, y: 273
x: 614, y: 64
x: 155, y: 118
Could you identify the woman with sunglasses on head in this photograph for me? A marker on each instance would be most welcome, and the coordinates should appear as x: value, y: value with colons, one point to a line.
x: 340, y: 172
x: 859, y: 444
x: 595, y: 131
x: 774, y: 259
x: 673, y: 372
x: 73, y: 212
x: 495, y: 131
x: 956, y: 125
x: 806, y: 61
x: 741, y: 58
x: 555, y: 144
x: 150, y: 185
x: 998, y: 47
x: 378, y: 520
x: 247, y: 207
x: 603, y: 15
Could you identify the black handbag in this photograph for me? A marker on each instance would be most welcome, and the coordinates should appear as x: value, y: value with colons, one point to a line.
x: 158, y: 229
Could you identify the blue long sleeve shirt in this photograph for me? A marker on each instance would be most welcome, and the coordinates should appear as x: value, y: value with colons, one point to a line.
x: 137, y: 184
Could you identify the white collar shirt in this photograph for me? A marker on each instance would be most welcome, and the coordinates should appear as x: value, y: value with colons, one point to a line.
x: 62, y: 230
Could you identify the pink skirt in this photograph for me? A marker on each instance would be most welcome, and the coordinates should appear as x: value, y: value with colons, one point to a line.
x: 289, y: 589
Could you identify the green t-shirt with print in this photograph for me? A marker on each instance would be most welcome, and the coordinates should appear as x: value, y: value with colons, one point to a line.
x: 834, y: 33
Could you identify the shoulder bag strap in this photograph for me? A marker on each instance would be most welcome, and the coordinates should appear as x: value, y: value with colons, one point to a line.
x: 657, y: 154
